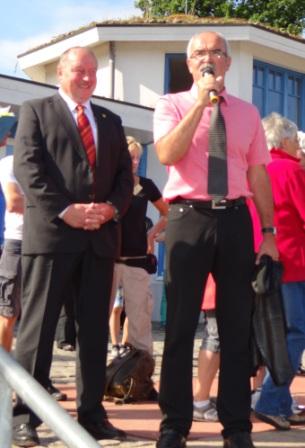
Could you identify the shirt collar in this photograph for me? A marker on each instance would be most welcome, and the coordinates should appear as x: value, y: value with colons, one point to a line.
x: 278, y: 153
x: 71, y: 103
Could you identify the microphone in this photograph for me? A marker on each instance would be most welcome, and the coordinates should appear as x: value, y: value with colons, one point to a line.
x: 209, y: 70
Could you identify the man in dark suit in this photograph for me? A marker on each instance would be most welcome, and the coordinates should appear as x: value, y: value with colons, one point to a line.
x: 71, y: 234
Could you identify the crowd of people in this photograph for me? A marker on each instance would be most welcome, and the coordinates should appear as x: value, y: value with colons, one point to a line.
x: 77, y: 244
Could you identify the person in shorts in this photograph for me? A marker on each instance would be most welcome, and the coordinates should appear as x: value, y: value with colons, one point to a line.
x: 10, y: 262
x: 208, y: 360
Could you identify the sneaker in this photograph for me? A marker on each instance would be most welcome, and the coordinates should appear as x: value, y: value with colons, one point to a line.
x: 277, y: 421
x: 115, y: 352
x: 123, y: 349
x: 255, y: 394
x: 297, y: 408
x: 296, y: 419
x: 207, y: 413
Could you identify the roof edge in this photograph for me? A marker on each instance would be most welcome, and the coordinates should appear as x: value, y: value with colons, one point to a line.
x: 178, y: 20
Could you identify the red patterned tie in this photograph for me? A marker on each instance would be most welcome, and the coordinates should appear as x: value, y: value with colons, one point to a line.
x: 86, y: 134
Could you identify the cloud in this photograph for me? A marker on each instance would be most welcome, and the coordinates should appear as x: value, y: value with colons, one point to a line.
x: 43, y: 25
x: 9, y: 49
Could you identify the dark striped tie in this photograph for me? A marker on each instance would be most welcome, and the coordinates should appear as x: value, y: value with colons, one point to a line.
x: 86, y: 134
x: 217, y: 162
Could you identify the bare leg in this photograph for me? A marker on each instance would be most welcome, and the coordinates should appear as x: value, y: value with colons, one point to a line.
x: 208, y: 365
x: 114, y: 324
x: 259, y: 378
x: 125, y: 331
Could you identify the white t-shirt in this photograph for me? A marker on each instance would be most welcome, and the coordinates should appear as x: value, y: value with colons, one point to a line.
x: 13, y: 222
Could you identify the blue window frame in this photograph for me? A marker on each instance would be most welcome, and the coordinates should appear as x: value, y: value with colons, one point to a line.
x: 176, y: 76
x: 276, y: 89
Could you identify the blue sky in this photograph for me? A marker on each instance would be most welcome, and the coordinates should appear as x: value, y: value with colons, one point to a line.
x: 26, y: 24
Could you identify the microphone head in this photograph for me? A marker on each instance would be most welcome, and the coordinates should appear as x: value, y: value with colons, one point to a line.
x: 208, y: 70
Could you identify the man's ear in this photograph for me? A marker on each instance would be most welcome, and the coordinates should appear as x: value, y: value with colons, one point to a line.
x: 228, y: 62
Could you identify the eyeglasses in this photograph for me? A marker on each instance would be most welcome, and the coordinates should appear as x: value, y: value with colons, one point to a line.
x: 201, y: 54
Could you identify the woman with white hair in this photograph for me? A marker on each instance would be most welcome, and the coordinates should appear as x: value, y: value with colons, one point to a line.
x: 288, y: 186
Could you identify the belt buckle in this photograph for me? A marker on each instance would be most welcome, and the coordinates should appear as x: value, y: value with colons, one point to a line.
x: 217, y: 205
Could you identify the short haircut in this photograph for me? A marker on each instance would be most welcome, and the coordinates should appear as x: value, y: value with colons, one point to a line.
x: 196, y: 36
x: 64, y: 56
x: 277, y: 128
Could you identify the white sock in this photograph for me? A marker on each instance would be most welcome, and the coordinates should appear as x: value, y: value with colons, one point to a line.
x: 201, y: 404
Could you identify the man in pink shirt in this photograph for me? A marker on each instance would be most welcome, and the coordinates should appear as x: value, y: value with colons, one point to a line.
x: 205, y: 236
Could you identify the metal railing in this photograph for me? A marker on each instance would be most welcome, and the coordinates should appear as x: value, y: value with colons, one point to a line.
x: 14, y: 377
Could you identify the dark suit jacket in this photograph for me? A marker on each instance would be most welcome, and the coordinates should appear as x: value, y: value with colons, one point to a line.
x: 51, y: 166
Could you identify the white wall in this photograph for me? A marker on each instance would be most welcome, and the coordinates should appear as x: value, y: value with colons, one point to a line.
x: 139, y: 68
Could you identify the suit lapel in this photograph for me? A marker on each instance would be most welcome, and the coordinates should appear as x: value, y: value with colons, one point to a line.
x: 102, y: 133
x: 66, y: 120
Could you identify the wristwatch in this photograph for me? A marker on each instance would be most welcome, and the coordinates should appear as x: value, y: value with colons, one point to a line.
x: 271, y: 230
x: 116, y: 215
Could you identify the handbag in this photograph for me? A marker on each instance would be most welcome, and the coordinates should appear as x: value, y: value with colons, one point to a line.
x: 129, y: 377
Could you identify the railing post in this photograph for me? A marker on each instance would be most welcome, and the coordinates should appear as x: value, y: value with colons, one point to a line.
x: 37, y: 399
x: 5, y: 414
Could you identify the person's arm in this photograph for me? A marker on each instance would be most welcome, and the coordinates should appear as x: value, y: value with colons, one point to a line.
x: 30, y: 166
x: 160, y: 225
x: 14, y: 199
x: 262, y: 196
x: 174, y: 145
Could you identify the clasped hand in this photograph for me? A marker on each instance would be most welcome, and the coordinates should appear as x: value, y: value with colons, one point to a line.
x: 88, y: 216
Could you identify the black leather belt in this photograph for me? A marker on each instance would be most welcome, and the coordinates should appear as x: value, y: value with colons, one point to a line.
x: 213, y: 204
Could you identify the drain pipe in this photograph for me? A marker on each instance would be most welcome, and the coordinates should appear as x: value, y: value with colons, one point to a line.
x: 112, y: 68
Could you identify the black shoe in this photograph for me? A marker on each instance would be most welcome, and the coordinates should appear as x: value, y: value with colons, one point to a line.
x: 25, y: 435
x: 103, y: 430
x: 56, y: 393
x: 170, y: 438
x: 238, y: 440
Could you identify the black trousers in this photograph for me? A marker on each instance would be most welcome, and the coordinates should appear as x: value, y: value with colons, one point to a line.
x: 200, y: 241
x: 46, y: 278
x: 66, y: 329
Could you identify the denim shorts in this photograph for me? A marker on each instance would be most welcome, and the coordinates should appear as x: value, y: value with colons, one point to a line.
x: 210, y: 338
x: 10, y: 278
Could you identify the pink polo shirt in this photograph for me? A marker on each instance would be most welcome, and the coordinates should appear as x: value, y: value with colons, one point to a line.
x: 246, y: 145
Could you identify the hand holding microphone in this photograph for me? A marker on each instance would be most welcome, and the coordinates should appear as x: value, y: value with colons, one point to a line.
x: 213, y: 94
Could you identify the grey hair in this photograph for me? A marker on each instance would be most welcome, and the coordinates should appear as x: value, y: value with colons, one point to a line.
x: 132, y: 142
x: 277, y: 128
x: 64, y: 56
x: 196, y: 36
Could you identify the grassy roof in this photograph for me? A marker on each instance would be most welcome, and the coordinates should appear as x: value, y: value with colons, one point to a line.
x: 172, y: 20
